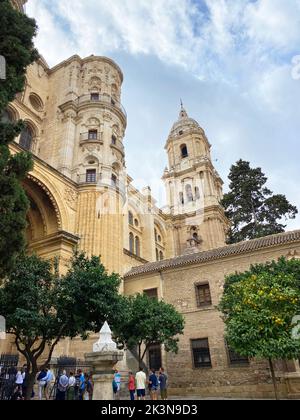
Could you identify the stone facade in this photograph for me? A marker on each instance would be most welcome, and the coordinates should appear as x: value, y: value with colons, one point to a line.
x: 81, y: 195
x: 176, y: 281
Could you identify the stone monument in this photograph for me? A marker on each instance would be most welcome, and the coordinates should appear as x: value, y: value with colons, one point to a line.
x: 104, y: 357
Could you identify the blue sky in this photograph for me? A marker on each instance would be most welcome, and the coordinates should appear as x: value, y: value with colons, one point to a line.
x: 231, y: 61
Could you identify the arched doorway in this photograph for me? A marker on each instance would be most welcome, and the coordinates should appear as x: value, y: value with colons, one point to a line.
x: 44, y: 232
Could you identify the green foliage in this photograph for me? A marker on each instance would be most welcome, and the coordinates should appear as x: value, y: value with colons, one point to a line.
x: 259, y: 306
x: 88, y: 296
x: 252, y: 208
x: 41, y: 308
x: 16, y: 45
x: 149, y: 321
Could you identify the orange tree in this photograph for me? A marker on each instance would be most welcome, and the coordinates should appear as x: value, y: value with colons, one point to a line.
x: 259, y: 308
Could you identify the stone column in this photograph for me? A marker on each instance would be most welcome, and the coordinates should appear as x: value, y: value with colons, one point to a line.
x: 103, y: 359
x: 103, y: 364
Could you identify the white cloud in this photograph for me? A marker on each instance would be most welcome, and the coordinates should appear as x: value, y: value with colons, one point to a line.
x: 236, y: 52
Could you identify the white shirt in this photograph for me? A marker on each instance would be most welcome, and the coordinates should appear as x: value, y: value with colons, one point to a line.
x: 19, y: 378
x: 141, y: 380
x: 72, y: 381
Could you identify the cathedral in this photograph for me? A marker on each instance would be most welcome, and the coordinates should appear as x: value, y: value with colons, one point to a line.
x: 82, y: 196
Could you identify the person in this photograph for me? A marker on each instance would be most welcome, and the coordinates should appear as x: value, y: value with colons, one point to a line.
x: 17, y: 394
x: 117, y: 379
x: 19, y: 379
x: 41, y: 382
x: 79, y: 379
x: 141, y: 380
x: 62, y: 386
x: 131, y: 386
x: 153, y: 385
x: 88, y: 388
x: 49, y: 379
x: 71, y: 387
x: 163, y: 384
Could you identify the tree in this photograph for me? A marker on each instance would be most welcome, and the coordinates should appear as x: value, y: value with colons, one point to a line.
x: 259, y: 307
x: 147, y: 322
x: 16, y: 45
x: 41, y: 308
x: 251, y: 207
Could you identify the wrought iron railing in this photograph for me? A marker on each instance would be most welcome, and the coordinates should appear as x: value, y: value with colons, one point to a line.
x: 104, y: 99
x: 90, y: 136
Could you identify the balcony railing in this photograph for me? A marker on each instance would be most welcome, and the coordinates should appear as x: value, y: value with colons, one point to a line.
x: 88, y: 179
x: 90, y: 137
x: 104, y: 99
x: 118, y: 145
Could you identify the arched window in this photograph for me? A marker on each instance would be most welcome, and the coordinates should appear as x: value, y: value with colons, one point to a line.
x: 114, y: 181
x: 184, y: 151
x: 137, y: 247
x: 155, y: 234
x: 131, y: 243
x: 130, y: 218
x: 113, y: 139
x: 26, y: 138
x: 189, y: 193
x: 161, y: 255
x: 136, y: 223
x: 197, y: 193
x: 7, y: 116
x: 157, y: 255
x: 181, y: 198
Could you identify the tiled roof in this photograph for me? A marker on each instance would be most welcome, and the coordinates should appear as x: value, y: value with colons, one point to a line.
x: 215, y: 254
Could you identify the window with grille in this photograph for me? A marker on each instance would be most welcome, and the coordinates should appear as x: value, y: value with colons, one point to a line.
x: 95, y: 97
x: 154, y: 356
x: 151, y: 293
x: 91, y: 175
x: 201, y: 353
x: 203, y: 295
x: 93, y: 135
x: 235, y: 358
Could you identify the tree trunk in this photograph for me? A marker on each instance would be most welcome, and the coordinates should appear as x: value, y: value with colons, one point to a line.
x: 274, y: 379
x: 30, y: 385
x: 140, y: 355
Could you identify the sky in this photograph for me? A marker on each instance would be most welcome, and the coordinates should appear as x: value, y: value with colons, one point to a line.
x: 234, y: 63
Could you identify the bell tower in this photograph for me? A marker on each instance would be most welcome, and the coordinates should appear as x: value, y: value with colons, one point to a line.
x: 194, y: 189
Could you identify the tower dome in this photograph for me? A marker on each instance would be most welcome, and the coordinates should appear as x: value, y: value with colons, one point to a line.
x: 184, y: 123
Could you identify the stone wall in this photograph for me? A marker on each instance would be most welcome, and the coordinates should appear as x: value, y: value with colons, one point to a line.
x: 177, y: 286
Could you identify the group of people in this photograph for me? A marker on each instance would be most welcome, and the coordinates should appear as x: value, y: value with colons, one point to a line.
x: 137, y: 384
x: 77, y: 386
x: 71, y: 387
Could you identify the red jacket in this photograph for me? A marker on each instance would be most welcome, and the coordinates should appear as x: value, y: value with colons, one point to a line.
x: 131, y: 383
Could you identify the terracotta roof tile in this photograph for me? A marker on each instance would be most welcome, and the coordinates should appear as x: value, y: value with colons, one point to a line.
x: 215, y: 254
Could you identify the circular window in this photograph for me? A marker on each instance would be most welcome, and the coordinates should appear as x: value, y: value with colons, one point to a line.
x: 159, y: 238
x: 36, y: 102
x: 91, y: 162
